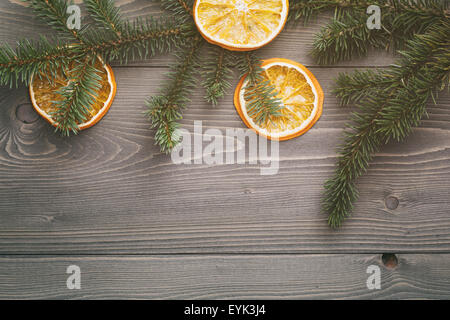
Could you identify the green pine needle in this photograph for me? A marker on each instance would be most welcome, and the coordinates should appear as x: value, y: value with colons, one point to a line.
x: 347, y: 38
x: 182, y: 9
x: 107, y: 15
x: 391, y: 102
x: 217, y: 71
x: 41, y: 57
x: 54, y: 13
x: 111, y: 38
x: 260, y: 94
x: 347, y: 35
x: 78, y: 96
x: 139, y: 39
x: 164, y: 110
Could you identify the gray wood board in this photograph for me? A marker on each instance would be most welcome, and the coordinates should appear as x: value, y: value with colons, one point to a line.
x: 109, y: 190
x: 328, y: 276
x: 141, y: 227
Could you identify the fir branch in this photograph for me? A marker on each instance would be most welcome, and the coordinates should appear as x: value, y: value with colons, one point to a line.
x: 40, y: 57
x: 106, y: 14
x: 347, y: 36
x: 408, y: 104
x: 54, y: 13
x: 164, y: 110
x: 138, y: 39
x: 260, y: 94
x: 306, y: 9
x: 78, y: 96
x: 354, y: 87
x: 391, y: 111
x: 217, y: 71
x: 356, y: 153
x: 182, y: 9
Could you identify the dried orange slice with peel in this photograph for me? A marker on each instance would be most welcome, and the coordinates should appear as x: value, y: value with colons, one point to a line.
x: 301, y: 96
x: 240, y: 25
x: 43, y: 93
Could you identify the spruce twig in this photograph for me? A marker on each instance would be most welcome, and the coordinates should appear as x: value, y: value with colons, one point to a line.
x: 355, y: 87
x: 54, y: 13
x: 260, y: 94
x: 106, y: 14
x: 346, y: 38
x: 138, y: 40
x: 347, y: 35
x: 217, y: 71
x: 164, y: 110
x: 307, y: 9
x: 182, y: 9
x: 78, y: 96
x: 389, y: 112
x: 40, y: 57
x: 115, y: 40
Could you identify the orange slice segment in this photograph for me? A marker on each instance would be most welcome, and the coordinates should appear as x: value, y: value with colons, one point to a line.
x: 240, y: 25
x: 301, y: 95
x: 43, y: 93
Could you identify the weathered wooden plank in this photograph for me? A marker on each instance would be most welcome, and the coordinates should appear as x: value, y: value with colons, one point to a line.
x: 109, y: 190
x: 294, y: 43
x: 226, y: 277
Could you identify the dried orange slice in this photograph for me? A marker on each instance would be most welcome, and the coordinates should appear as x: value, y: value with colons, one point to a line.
x: 240, y: 25
x: 43, y: 93
x: 301, y: 96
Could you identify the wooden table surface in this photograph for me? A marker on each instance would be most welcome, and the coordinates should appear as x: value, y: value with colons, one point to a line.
x: 140, y: 226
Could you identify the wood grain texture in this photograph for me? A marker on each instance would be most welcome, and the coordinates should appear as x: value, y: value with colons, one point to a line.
x: 141, y: 227
x: 225, y: 277
x: 293, y: 43
x: 109, y: 190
